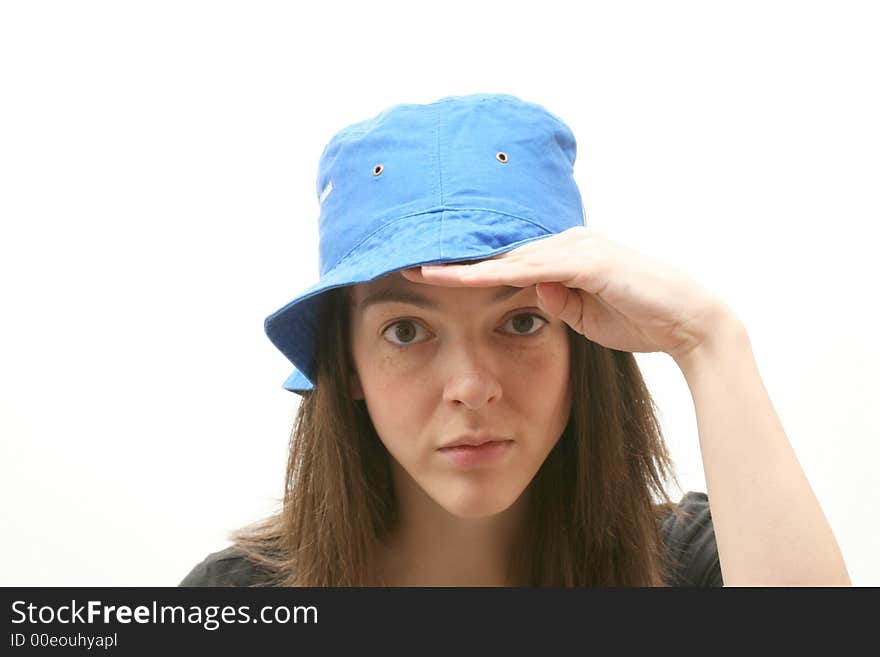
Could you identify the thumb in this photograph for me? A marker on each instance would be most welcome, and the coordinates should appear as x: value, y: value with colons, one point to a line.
x: 551, y: 297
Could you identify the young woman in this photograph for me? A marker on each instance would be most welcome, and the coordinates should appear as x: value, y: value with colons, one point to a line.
x: 483, y: 422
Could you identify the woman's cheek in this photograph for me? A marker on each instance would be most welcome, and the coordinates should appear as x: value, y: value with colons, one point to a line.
x: 395, y: 369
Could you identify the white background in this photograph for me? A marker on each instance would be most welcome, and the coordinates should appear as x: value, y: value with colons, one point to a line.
x: 157, y: 196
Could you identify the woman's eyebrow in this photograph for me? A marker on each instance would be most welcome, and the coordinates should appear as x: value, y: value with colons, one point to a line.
x: 395, y: 295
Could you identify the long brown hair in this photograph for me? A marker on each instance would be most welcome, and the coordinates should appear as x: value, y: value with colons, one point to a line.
x: 594, y: 504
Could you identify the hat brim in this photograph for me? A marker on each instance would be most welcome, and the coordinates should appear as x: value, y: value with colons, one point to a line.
x: 298, y: 382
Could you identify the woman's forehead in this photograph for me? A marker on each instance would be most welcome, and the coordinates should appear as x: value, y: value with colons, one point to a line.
x: 394, y: 287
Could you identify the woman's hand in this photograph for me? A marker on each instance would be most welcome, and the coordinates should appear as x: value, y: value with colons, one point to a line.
x: 612, y: 295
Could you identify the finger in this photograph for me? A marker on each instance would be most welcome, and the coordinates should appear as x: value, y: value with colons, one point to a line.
x: 442, y: 276
x: 584, y: 313
x: 572, y: 267
x: 414, y: 274
x: 563, y: 303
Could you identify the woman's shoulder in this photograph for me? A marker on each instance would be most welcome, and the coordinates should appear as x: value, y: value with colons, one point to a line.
x: 687, y: 532
x: 689, y: 536
x: 227, y: 567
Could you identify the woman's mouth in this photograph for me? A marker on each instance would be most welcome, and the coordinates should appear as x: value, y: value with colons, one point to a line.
x: 467, y: 456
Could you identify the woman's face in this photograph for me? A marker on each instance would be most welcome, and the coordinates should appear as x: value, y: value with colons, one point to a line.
x: 460, y: 362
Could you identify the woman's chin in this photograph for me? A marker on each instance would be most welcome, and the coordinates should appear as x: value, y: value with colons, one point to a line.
x: 480, y: 507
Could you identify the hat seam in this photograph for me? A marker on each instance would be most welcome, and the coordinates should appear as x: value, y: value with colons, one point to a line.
x: 417, y: 214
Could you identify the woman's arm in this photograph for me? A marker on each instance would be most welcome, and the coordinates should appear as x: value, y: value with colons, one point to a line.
x: 769, y: 527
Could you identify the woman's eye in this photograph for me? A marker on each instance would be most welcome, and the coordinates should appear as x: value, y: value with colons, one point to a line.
x: 526, y: 325
x: 404, y: 332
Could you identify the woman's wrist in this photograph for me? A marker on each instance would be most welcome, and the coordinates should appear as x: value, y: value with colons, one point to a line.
x: 723, y: 336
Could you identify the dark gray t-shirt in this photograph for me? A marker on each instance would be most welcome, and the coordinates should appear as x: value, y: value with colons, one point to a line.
x: 690, y: 541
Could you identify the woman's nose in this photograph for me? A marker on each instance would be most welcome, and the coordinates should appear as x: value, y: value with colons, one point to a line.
x: 472, y: 388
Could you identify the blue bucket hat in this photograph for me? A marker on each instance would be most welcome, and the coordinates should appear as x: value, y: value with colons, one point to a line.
x: 462, y: 178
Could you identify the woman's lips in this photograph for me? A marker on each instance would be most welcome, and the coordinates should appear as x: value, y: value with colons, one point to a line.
x: 466, y: 456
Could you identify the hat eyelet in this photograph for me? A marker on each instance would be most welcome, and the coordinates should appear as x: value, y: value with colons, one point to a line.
x: 378, y: 169
x: 501, y: 156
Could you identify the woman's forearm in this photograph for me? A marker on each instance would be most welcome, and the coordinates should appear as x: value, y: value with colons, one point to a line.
x: 769, y: 526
